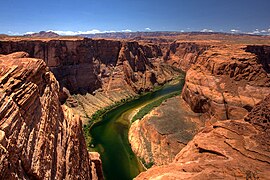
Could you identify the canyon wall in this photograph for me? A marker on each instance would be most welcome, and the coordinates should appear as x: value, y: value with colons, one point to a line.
x: 183, y: 54
x: 227, y: 81
x: 223, y: 82
x: 98, y: 73
x: 86, y: 65
x: 39, y: 138
x: 233, y: 149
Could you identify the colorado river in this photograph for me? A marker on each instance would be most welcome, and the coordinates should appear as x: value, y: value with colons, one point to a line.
x: 110, y: 136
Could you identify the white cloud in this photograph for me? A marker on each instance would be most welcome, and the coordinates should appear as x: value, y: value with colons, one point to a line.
x: 235, y: 30
x: 13, y: 33
x: 74, y: 33
x: 182, y: 31
x: 148, y: 29
x: 93, y: 31
x: 206, y: 30
x: 126, y: 30
x: 263, y: 31
x: 257, y: 31
x: 268, y: 30
x: 29, y: 32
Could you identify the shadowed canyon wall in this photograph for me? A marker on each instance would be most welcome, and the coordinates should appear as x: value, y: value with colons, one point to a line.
x: 98, y: 72
x: 87, y: 65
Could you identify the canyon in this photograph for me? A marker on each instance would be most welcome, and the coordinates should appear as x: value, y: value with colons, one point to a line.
x: 217, y: 128
x: 223, y: 82
x: 110, y: 69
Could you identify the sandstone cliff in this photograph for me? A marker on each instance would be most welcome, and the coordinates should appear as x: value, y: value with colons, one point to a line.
x: 227, y: 81
x: 159, y: 136
x: 40, y: 139
x: 222, y: 82
x: 87, y: 65
x: 97, y: 72
x: 184, y: 54
x: 233, y: 149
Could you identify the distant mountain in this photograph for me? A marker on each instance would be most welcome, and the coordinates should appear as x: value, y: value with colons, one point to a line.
x: 44, y: 34
x: 3, y: 35
x: 129, y: 35
x: 138, y: 35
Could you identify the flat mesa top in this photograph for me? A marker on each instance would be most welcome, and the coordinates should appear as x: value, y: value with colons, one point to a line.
x: 214, y: 38
x: 22, y: 38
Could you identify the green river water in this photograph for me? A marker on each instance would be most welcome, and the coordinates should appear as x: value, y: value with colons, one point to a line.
x: 110, y: 136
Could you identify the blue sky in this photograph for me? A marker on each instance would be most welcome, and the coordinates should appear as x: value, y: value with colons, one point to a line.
x: 76, y: 16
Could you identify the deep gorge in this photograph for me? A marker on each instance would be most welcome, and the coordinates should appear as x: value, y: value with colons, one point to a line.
x: 223, y: 83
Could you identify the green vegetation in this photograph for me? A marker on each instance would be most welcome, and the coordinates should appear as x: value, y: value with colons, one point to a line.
x: 147, y: 165
x: 97, y: 117
x: 109, y: 133
x: 146, y: 109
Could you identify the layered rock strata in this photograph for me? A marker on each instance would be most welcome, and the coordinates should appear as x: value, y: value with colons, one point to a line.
x: 87, y: 65
x: 184, y: 54
x: 98, y: 72
x: 227, y: 81
x: 158, y: 137
x: 222, y: 82
x: 39, y: 138
x: 233, y: 149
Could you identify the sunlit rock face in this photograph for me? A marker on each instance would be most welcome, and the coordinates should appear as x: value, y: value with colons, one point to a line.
x: 233, y: 149
x: 40, y: 139
x: 227, y: 81
x: 159, y: 136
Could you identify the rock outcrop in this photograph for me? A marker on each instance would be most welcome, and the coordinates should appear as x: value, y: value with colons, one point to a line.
x: 158, y: 137
x: 39, y: 138
x: 87, y: 65
x: 233, y: 149
x: 226, y: 82
x: 98, y: 72
x: 184, y: 54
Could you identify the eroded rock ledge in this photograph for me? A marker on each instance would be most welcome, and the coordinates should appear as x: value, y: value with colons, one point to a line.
x: 233, y: 149
x: 227, y: 81
x: 98, y: 73
x: 39, y: 138
x: 223, y: 82
x: 158, y: 137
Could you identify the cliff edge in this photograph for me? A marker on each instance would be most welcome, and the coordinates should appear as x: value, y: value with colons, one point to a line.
x: 39, y: 138
x: 233, y: 149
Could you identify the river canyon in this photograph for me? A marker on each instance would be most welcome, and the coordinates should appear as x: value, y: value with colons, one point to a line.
x: 191, y: 106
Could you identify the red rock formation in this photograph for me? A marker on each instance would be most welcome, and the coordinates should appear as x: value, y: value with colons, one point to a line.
x: 226, y: 82
x: 184, y: 54
x: 234, y: 149
x: 87, y: 65
x: 99, y: 72
x: 39, y: 138
x: 159, y: 136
